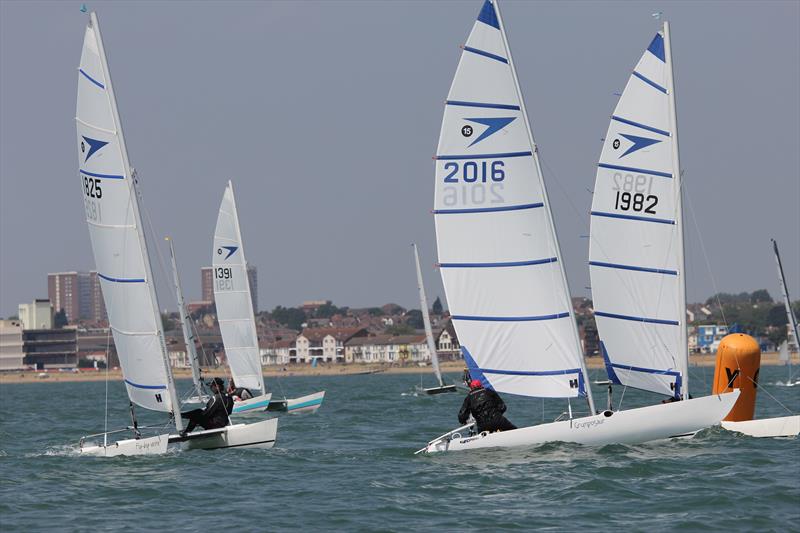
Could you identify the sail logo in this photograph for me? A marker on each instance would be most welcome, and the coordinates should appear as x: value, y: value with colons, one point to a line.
x: 230, y: 249
x: 493, y: 125
x: 638, y: 143
x: 94, y: 146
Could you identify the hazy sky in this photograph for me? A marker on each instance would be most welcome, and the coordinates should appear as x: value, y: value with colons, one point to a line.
x: 326, y: 114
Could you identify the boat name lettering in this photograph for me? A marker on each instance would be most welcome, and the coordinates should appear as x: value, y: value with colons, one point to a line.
x: 474, y: 171
x: 588, y: 424
x: 470, y: 439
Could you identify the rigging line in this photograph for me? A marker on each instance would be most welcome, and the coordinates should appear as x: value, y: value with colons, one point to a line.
x: 703, y: 248
x: 771, y: 396
x: 621, y: 397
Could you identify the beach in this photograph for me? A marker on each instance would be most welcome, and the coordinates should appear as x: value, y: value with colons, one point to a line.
x: 324, y: 369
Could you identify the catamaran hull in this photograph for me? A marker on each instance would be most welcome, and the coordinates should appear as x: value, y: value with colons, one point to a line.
x: 147, y: 446
x: 255, y: 405
x: 634, y: 426
x: 256, y: 435
x: 440, y: 390
x: 785, y: 426
x: 303, y: 404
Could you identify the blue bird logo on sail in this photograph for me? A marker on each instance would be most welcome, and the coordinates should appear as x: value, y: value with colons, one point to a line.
x: 231, y: 250
x: 94, y: 146
x: 638, y: 143
x: 493, y: 125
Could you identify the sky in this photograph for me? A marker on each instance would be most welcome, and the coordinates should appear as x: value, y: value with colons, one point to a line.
x: 326, y: 114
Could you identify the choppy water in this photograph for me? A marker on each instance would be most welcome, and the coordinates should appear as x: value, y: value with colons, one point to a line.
x: 351, y: 467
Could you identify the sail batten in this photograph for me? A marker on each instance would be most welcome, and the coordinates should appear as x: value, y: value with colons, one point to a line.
x: 498, y: 253
x: 636, y: 240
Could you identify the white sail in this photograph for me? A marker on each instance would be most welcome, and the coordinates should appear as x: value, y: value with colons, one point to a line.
x: 499, y: 257
x: 186, y: 324
x: 115, y: 227
x: 426, y: 319
x: 232, y: 295
x: 636, y: 250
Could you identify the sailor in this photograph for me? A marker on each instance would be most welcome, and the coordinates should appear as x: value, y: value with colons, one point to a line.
x: 215, y: 414
x: 238, y: 393
x: 486, y: 406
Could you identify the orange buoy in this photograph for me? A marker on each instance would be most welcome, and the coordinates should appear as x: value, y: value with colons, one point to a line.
x: 738, y: 362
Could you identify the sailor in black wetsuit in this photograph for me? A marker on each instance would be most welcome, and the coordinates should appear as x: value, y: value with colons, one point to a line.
x: 215, y: 414
x: 486, y: 406
x: 238, y: 393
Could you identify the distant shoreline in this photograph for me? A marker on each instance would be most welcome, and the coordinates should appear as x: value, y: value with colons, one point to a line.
x: 339, y: 369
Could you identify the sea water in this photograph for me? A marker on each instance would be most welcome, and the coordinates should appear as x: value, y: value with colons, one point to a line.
x: 351, y: 466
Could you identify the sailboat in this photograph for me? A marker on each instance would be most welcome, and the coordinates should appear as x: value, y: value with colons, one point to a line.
x: 111, y: 201
x: 791, y: 319
x: 426, y: 320
x: 200, y: 396
x: 236, y: 317
x: 502, y: 267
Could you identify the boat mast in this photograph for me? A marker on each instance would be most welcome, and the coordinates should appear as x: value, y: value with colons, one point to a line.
x: 676, y: 168
x: 188, y: 337
x: 426, y: 319
x: 785, y: 290
x: 176, y: 414
x: 247, y: 284
x: 535, y: 150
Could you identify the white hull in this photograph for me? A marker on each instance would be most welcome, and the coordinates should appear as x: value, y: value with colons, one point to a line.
x: 656, y: 422
x: 253, y: 405
x: 303, y: 404
x: 256, y: 435
x: 147, y: 446
x: 786, y: 426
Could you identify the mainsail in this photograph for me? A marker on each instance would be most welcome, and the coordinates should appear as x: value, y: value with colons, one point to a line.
x: 426, y: 319
x: 636, y: 250
x: 232, y: 296
x: 792, y: 320
x: 186, y: 324
x: 499, y: 256
x: 115, y: 227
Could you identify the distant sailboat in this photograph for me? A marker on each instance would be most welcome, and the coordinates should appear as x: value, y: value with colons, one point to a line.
x: 501, y: 263
x: 236, y: 317
x: 791, y: 319
x: 111, y: 202
x: 426, y: 319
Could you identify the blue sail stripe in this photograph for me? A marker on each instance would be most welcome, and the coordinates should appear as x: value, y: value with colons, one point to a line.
x: 640, y: 125
x: 635, y: 268
x: 509, y: 318
x: 532, y: 372
x: 637, y: 318
x: 486, y: 54
x: 633, y: 169
x: 486, y: 209
x: 480, y: 104
x: 107, y: 176
x: 645, y: 370
x: 632, y: 217
x: 483, y: 156
x: 91, y: 79
x: 138, y: 386
x: 612, y: 375
x: 650, y: 82
x: 121, y: 280
x: 499, y: 265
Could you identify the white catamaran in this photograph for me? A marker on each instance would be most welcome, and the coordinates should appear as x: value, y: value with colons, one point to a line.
x: 501, y: 263
x: 111, y: 203
x: 426, y: 320
x: 237, y: 320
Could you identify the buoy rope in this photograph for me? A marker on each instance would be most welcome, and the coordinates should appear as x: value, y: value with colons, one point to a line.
x: 771, y: 396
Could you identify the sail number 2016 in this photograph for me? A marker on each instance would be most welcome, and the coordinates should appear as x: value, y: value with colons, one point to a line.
x: 474, y: 171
